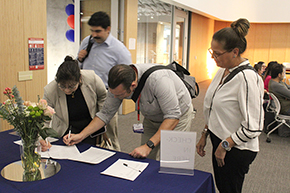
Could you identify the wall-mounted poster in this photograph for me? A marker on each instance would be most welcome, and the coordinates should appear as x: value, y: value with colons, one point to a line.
x: 36, y: 53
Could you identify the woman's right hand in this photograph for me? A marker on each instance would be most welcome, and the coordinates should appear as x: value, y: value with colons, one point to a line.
x: 44, y: 145
x: 73, y: 139
x: 201, y: 145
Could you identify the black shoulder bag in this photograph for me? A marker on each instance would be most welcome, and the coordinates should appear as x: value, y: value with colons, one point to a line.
x: 90, y: 44
x: 181, y: 72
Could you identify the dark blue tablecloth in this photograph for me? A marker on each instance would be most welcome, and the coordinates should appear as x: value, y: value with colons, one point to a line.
x: 81, y: 177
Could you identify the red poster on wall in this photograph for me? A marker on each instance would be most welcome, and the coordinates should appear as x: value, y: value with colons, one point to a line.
x: 36, y: 53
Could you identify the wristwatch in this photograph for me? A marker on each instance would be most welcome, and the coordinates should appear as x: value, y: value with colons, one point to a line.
x: 226, y: 145
x: 205, y: 131
x: 150, y: 144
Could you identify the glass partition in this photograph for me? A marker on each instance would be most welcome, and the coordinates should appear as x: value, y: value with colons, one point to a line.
x: 154, y: 32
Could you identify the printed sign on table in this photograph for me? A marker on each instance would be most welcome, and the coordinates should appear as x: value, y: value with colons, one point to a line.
x: 177, y: 152
x: 36, y: 53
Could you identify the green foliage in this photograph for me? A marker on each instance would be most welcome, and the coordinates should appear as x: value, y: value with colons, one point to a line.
x: 27, y: 118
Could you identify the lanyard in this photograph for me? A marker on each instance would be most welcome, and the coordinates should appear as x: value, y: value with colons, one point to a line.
x: 138, y: 109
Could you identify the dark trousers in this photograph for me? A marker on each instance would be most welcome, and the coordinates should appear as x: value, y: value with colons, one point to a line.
x: 230, y: 177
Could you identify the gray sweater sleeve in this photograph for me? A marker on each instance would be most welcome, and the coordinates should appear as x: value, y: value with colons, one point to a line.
x: 280, y: 89
x: 110, y: 107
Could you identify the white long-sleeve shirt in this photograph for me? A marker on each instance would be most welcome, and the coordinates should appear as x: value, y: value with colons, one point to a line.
x: 235, y: 109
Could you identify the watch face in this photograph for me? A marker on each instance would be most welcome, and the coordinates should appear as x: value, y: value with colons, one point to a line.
x: 225, y: 144
x: 150, y: 144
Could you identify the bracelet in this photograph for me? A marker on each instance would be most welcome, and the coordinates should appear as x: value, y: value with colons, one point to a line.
x: 205, y: 131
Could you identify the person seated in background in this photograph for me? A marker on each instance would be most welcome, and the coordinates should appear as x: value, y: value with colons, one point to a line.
x: 76, y: 97
x: 267, y: 75
x: 280, y: 89
x: 260, y: 68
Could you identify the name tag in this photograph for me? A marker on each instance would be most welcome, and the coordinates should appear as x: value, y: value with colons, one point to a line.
x: 138, y: 128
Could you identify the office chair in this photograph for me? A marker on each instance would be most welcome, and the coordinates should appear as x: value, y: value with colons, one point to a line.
x: 280, y: 119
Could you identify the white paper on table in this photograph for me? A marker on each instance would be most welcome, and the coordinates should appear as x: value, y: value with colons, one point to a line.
x: 129, y: 172
x: 50, y: 139
x: 61, y: 152
x: 94, y: 155
x: 18, y: 142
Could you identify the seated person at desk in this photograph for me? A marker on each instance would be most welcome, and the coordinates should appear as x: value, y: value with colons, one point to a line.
x: 76, y: 97
x: 280, y: 89
x: 164, y: 101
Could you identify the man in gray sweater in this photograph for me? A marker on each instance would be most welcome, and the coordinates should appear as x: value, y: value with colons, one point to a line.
x: 164, y: 102
x: 280, y: 89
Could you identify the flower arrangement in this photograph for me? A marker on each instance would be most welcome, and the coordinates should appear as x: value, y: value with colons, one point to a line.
x: 28, y: 119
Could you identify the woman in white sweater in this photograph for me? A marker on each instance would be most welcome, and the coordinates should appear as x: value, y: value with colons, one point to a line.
x: 233, y: 110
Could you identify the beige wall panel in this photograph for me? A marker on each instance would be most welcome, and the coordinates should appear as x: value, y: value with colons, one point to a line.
x: 277, y: 42
x: 287, y: 39
x: 21, y: 19
x: 130, y: 31
x: 258, y: 43
x: 250, y: 53
x: 11, y: 49
x: 35, y: 27
x: 220, y: 24
x: 266, y: 42
x: 200, y: 39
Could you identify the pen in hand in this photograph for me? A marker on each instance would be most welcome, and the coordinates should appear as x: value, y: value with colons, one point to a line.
x: 131, y: 167
x: 46, y: 163
x: 46, y: 140
x: 69, y: 132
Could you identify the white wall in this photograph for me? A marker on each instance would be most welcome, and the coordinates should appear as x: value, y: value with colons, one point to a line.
x: 268, y: 11
x: 57, y: 44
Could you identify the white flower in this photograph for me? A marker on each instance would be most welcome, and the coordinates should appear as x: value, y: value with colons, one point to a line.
x: 48, y: 111
x: 42, y: 104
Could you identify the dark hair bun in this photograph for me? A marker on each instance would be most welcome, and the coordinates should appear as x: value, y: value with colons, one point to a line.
x: 68, y: 58
x: 241, y: 27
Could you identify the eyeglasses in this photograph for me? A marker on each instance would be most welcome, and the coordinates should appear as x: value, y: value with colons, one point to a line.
x: 214, y: 54
x: 70, y: 87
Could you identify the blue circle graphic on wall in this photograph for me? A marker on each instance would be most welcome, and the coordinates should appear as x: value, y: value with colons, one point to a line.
x: 70, y: 9
x: 70, y: 35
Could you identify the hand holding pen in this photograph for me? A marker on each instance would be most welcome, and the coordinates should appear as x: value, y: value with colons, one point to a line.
x: 45, y: 145
x: 72, y: 139
x: 69, y: 132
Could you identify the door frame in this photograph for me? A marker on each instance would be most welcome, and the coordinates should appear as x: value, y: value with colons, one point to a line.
x: 183, y: 14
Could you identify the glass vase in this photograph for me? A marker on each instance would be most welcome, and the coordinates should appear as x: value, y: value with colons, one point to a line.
x: 30, y: 160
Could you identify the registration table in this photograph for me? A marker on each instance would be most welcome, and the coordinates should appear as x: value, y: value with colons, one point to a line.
x: 82, y: 177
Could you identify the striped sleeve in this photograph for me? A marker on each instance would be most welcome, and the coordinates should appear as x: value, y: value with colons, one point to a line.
x: 250, y: 99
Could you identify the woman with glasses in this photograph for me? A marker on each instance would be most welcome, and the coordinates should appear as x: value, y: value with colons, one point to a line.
x: 260, y: 68
x: 233, y: 110
x: 76, y: 97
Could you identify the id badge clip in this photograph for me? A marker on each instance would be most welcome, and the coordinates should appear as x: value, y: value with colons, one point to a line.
x: 138, y: 128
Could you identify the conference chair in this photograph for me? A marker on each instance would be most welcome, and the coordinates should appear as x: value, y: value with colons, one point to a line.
x: 279, y: 119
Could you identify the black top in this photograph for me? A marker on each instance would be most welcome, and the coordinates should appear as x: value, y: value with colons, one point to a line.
x: 79, y: 115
